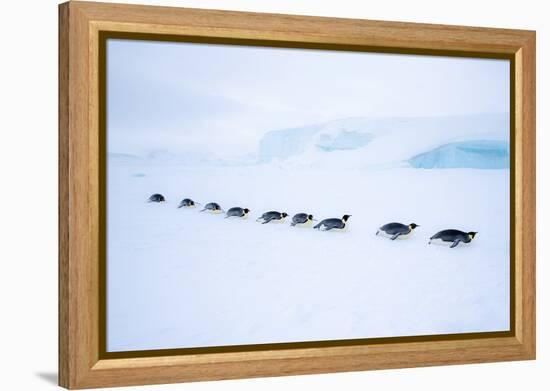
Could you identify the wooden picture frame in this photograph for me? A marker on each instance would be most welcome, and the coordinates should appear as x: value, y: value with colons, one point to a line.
x: 83, y: 27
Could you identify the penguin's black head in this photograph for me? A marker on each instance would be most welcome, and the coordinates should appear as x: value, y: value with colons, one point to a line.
x: 284, y: 214
x: 191, y: 202
x: 246, y: 210
x: 413, y: 225
x: 310, y: 217
x: 472, y: 234
x: 216, y: 207
x: 346, y: 217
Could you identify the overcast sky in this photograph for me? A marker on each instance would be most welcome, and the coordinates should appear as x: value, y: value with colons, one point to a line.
x: 221, y: 99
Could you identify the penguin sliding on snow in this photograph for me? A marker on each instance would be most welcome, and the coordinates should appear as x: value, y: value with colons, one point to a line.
x: 237, y: 212
x: 212, y: 207
x: 328, y: 224
x: 272, y: 216
x: 188, y: 203
x: 453, y: 235
x: 302, y: 219
x: 397, y: 229
x: 156, y: 198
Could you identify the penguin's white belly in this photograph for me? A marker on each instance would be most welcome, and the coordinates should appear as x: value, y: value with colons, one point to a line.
x: 345, y: 229
x: 440, y: 242
x: 404, y: 236
x: 304, y: 225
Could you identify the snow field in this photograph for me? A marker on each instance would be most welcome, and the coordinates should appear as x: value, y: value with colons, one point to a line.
x: 179, y: 278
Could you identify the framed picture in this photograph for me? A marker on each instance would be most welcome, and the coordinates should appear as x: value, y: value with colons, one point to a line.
x: 247, y: 195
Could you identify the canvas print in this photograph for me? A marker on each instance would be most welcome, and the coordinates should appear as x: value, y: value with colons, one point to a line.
x: 260, y: 195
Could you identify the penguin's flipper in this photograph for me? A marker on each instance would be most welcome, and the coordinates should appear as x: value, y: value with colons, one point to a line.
x: 377, y: 232
x: 395, y: 236
x: 455, y: 243
x: 266, y: 221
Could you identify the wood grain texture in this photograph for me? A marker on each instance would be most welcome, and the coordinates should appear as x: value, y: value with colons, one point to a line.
x: 526, y: 95
x: 80, y: 23
x: 63, y: 221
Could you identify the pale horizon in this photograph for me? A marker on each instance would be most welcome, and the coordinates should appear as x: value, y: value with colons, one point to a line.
x: 221, y: 99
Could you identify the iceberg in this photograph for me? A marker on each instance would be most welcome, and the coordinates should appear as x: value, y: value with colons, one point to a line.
x: 344, y: 140
x: 475, y: 140
x: 482, y: 154
x: 282, y: 144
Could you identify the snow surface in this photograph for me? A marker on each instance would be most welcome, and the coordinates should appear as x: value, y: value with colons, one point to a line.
x: 180, y: 278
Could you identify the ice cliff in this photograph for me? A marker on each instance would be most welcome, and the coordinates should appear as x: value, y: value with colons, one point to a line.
x: 469, y: 141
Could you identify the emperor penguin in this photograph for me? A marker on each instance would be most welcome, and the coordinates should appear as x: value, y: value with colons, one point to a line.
x: 237, y: 212
x: 302, y: 219
x: 188, y: 203
x: 453, y: 235
x: 212, y: 207
x: 334, y: 223
x: 156, y: 198
x: 272, y: 216
x: 397, y: 229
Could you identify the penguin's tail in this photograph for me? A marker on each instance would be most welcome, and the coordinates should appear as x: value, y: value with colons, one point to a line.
x: 180, y: 205
x: 292, y: 224
x: 202, y: 210
x: 317, y: 226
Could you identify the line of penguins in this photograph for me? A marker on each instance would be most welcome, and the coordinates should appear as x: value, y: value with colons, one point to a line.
x: 393, y: 230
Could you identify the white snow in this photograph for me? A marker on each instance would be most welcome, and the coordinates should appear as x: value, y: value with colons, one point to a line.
x: 179, y: 278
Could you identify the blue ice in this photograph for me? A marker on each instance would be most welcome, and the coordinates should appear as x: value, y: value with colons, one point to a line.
x: 483, y: 154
